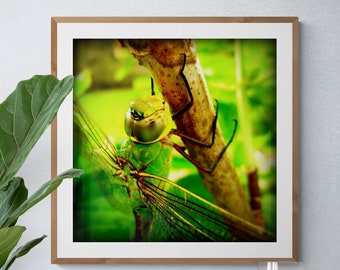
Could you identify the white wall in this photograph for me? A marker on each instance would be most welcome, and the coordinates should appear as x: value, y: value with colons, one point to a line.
x: 25, y: 51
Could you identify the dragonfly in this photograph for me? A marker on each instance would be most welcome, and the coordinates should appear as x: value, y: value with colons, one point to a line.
x: 163, y: 210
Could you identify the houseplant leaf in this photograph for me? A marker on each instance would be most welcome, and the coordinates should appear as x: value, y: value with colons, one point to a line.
x: 25, y: 115
x: 9, y: 238
x: 21, y: 251
x: 11, y: 197
x: 40, y: 194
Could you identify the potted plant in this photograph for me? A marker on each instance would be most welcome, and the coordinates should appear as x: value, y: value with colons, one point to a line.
x: 24, y: 116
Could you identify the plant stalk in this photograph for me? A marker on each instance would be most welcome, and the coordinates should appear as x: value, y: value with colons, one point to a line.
x: 244, y: 114
x: 164, y: 59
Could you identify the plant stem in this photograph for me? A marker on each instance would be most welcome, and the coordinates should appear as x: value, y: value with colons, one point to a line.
x: 244, y: 114
x: 164, y: 59
x: 243, y: 108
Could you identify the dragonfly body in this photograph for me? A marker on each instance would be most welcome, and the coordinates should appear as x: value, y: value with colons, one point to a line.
x: 153, y: 159
x: 147, y: 122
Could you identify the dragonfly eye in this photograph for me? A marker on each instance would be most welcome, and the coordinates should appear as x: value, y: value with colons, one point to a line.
x: 136, y: 114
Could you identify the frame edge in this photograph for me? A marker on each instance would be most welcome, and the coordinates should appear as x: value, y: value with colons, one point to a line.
x: 295, y: 121
x: 54, y: 217
x: 294, y: 21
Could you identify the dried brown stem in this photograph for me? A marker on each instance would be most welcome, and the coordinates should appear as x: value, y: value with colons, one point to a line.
x: 164, y: 59
x: 255, y: 196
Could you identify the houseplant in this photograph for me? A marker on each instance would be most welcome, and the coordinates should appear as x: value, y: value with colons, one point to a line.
x: 24, y: 116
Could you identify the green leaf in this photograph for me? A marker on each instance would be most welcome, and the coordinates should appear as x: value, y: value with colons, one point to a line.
x: 40, y: 194
x: 11, y: 197
x: 21, y: 251
x: 9, y: 238
x: 25, y: 115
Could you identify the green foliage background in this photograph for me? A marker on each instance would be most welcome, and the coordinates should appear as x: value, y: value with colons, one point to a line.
x: 108, y: 78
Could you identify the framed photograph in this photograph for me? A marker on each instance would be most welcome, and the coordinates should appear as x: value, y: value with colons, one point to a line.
x: 187, y: 131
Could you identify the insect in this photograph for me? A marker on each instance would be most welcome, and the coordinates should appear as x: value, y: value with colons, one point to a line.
x: 162, y: 209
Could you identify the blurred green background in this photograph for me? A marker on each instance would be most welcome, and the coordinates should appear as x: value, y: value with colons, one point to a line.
x: 241, y: 75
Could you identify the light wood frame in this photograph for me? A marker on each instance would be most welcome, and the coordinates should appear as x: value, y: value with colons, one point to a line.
x: 290, y: 24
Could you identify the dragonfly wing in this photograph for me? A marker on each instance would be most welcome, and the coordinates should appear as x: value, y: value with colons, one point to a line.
x: 184, y: 216
x: 99, y: 155
x: 177, y: 217
x: 100, y: 147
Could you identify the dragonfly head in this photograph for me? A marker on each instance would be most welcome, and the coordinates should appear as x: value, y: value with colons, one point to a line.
x: 148, y: 120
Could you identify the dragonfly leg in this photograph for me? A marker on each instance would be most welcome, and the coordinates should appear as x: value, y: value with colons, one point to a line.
x: 198, y: 141
x: 190, y: 102
x: 187, y: 106
x: 152, y: 88
x: 181, y: 150
x: 195, y: 140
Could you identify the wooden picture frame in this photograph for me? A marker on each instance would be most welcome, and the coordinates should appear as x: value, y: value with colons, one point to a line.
x: 284, y: 247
